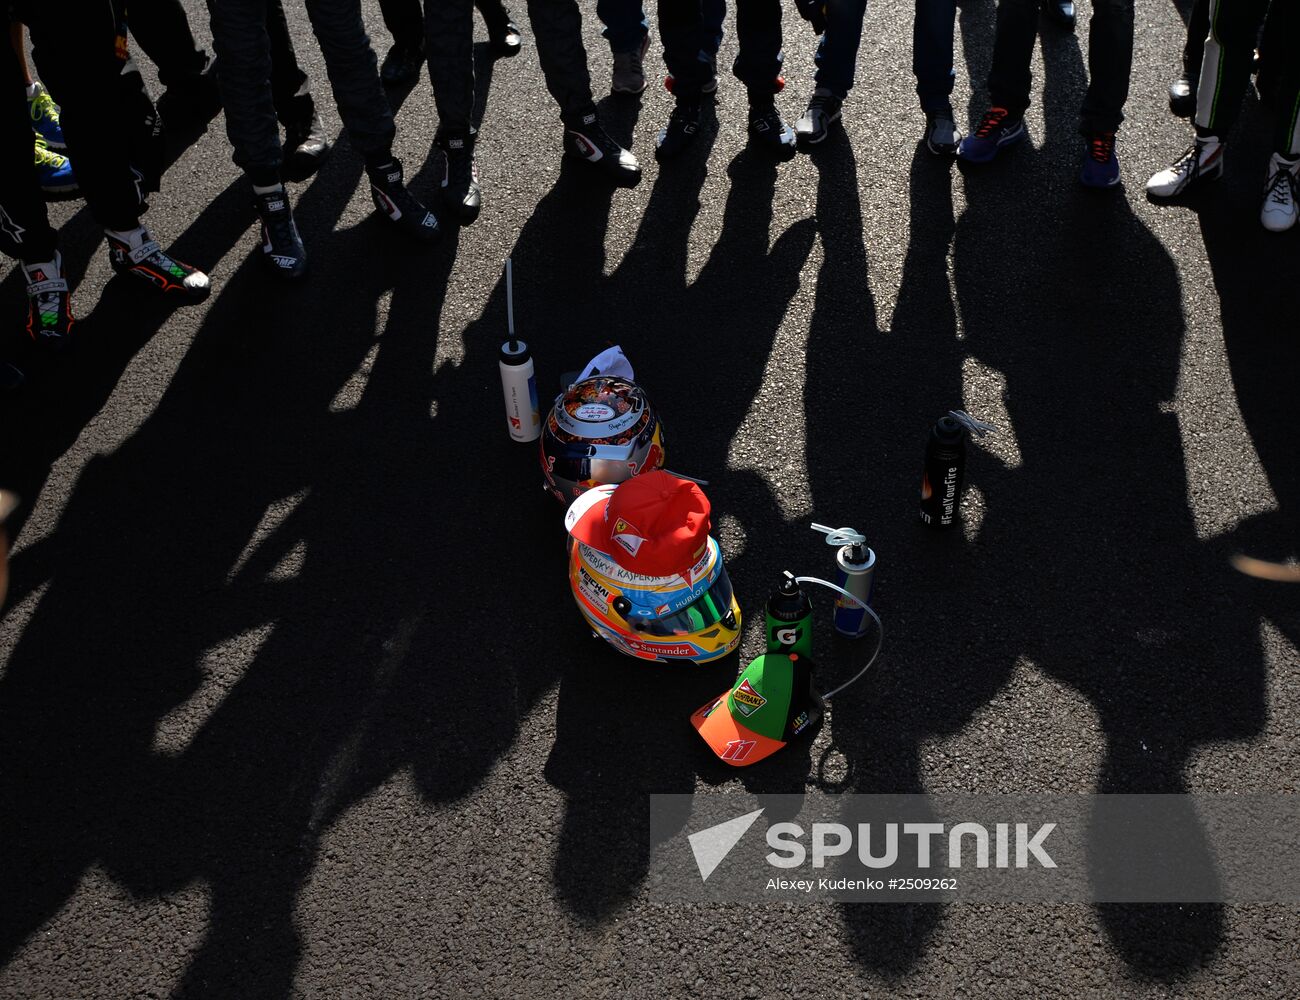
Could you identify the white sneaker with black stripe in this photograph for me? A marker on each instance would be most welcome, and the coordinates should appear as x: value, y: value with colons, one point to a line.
x: 1281, y: 206
x: 1202, y: 162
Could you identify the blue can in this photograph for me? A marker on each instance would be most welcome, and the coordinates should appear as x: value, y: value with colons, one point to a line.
x: 855, y: 572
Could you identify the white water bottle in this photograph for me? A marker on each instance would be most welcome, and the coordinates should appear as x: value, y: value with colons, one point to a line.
x: 520, y: 388
x: 518, y: 383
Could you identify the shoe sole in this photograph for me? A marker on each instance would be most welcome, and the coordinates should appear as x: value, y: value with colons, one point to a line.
x: 284, y: 273
x: 405, y: 81
x: 663, y: 157
x: 628, y: 91
x: 780, y: 152
x: 1190, y: 189
x: 173, y: 290
x: 806, y: 139
x: 1010, y: 140
x: 300, y: 166
x: 464, y: 216
x: 61, y: 188
x: 959, y: 138
x: 618, y: 177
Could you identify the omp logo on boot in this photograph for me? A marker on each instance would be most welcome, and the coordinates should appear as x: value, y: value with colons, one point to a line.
x: 748, y: 701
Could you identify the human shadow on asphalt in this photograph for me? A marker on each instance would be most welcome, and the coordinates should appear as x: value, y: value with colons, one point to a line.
x: 1254, y: 276
x: 1084, y: 323
x: 871, y: 395
x: 276, y: 536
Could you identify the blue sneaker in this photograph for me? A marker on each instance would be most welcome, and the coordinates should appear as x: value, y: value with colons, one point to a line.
x: 53, y: 170
x: 1100, y: 165
x: 45, y: 117
x: 997, y: 130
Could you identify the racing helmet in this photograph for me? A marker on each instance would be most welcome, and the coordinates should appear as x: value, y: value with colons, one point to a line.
x: 645, y: 573
x: 601, y: 430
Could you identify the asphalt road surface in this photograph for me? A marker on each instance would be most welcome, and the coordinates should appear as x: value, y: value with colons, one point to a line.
x: 294, y: 700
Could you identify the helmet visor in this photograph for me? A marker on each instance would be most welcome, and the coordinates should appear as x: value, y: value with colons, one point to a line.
x: 711, y: 607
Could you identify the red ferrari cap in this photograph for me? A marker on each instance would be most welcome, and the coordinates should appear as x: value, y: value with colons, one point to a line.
x: 653, y: 524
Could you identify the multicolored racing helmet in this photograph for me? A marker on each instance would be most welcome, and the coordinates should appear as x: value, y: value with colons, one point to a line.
x: 600, y: 430
x: 645, y: 573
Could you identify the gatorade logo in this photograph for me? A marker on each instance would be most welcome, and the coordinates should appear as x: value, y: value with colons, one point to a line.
x: 787, y: 636
x: 748, y: 701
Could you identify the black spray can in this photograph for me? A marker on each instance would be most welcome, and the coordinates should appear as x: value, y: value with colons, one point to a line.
x: 945, y: 471
x: 789, y: 619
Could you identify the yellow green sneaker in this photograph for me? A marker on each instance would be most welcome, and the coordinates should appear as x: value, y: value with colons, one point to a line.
x: 53, y: 170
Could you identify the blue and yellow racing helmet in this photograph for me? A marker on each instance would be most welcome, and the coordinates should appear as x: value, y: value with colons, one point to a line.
x: 689, y: 616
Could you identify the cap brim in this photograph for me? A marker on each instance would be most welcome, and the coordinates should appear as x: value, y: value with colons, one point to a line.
x: 733, y: 743
x: 587, y: 514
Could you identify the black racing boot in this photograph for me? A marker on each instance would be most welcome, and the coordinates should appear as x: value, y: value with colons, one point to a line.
x: 402, y: 65
x: 587, y: 140
x: 306, y: 147
x: 460, y: 174
x: 1182, y: 97
x: 1060, y: 13
x: 401, y: 207
x: 680, y: 132
x: 768, y: 130
x: 282, y: 247
x: 504, y: 36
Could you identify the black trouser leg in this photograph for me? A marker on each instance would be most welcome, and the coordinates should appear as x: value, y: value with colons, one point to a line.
x: 494, y: 15
x: 404, y: 21
x: 78, y: 59
x: 1110, y: 64
x: 758, y: 30
x: 1226, y: 63
x: 557, y: 28
x: 240, y: 36
x: 1013, y: 48
x: 1198, y: 26
x: 163, y: 32
x: 354, y: 76
x: 290, y: 89
x: 25, y: 231
x: 449, y: 43
x: 681, y: 26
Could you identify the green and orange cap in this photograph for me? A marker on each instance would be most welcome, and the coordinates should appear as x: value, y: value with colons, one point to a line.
x: 771, y: 703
